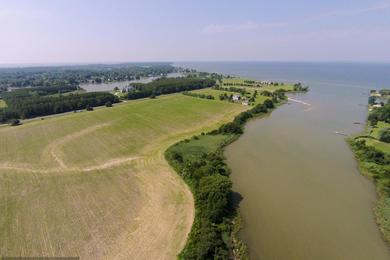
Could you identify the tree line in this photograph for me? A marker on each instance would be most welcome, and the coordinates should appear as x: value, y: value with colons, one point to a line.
x: 168, y: 86
x: 242, y: 91
x: 77, y: 74
x: 38, y: 91
x: 198, y: 95
x: 298, y: 87
x: 22, y: 107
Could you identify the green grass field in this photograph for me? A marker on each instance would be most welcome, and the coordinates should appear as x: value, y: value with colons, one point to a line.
x: 2, y: 103
x: 237, y: 81
x: 216, y: 93
x: 382, y: 146
x: 196, y: 147
x: 96, y: 184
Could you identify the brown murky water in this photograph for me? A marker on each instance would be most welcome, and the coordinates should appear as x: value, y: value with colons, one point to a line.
x: 303, y: 196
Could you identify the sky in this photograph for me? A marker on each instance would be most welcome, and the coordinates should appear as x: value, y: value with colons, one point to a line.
x: 74, y: 31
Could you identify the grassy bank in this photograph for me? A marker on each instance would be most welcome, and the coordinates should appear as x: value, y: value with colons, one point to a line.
x: 200, y: 162
x: 373, y: 155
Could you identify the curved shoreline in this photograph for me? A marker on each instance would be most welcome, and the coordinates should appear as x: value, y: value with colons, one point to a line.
x: 238, y: 249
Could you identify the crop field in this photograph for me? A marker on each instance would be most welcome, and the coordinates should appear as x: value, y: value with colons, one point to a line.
x: 96, y: 184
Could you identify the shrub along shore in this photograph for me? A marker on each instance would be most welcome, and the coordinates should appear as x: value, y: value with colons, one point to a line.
x: 200, y: 162
x: 371, y: 149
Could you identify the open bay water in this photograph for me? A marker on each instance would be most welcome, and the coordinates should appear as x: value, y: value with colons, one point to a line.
x: 303, y: 195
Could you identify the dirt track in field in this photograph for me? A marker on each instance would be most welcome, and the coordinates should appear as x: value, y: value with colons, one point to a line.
x: 159, y: 229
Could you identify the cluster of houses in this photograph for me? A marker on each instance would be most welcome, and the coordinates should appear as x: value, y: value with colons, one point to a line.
x: 378, y: 99
x: 237, y: 98
x: 264, y: 82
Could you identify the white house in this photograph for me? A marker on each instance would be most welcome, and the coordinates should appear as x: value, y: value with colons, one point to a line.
x: 236, y: 97
x: 266, y: 82
x: 127, y: 89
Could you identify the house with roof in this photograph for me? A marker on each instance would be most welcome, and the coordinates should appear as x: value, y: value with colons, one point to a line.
x: 236, y: 97
x: 127, y: 89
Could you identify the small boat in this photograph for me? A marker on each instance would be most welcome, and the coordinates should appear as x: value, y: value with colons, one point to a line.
x: 340, y: 133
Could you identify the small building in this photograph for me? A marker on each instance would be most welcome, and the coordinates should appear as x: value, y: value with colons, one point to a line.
x: 377, y: 105
x: 264, y: 82
x: 127, y: 89
x: 236, y: 97
x: 375, y: 93
x: 245, y: 102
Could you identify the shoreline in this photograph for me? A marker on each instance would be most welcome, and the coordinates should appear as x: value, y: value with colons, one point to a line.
x: 239, y: 249
x: 372, y: 154
x: 380, y: 205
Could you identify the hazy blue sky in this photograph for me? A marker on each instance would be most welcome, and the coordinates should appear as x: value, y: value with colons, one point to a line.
x: 100, y: 31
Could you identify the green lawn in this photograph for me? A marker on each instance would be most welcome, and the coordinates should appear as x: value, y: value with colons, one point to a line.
x: 2, y: 103
x: 213, y: 92
x: 96, y: 185
x: 382, y: 146
x: 216, y: 93
x: 197, y: 147
x: 375, y: 131
x: 237, y: 81
x: 287, y: 87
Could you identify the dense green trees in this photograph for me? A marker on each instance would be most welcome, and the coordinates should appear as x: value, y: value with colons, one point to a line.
x: 268, y: 103
x: 207, y: 176
x: 298, y: 87
x: 33, y: 105
x: 167, y: 86
x: 266, y: 93
x: 198, y: 95
x: 384, y: 135
x: 369, y: 153
x: 371, y: 100
x: 39, y: 91
x: 380, y: 114
x: 242, y: 91
x: 74, y: 75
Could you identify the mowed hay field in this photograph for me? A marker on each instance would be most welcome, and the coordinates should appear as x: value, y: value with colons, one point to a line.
x: 96, y: 184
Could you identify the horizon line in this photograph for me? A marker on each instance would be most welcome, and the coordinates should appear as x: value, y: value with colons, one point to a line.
x: 59, y: 64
